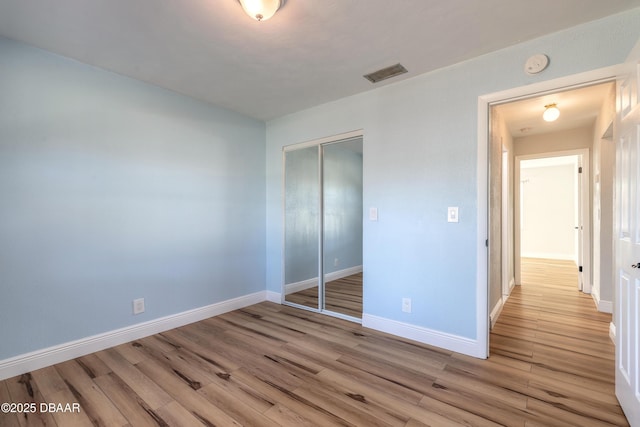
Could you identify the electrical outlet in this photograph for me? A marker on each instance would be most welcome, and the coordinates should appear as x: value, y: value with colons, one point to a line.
x: 336, y: 262
x: 406, y: 305
x: 138, y: 306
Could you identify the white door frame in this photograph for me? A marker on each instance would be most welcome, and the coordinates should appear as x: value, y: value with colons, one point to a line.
x: 507, y: 238
x: 584, y: 208
x: 484, y: 103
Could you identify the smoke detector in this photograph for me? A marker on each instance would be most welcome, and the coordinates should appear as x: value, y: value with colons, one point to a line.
x: 536, y: 64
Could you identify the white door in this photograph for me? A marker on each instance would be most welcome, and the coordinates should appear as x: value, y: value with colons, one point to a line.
x: 627, y: 238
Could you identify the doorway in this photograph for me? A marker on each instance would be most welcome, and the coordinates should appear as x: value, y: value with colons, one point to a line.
x: 552, y: 211
x: 625, y: 98
x: 517, y: 132
x: 323, y: 226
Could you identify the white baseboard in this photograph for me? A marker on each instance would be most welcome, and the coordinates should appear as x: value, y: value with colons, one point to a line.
x: 605, y: 306
x: 49, y: 356
x: 343, y: 273
x: 310, y: 283
x: 497, y: 309
x: 444, y: 340
x: 300, y: 286
x: 595, y: 295
x: 274, y: 297
x: 549, y: 255
x: 495, y: 313
x: 612, y: 332
x: 602, y: 305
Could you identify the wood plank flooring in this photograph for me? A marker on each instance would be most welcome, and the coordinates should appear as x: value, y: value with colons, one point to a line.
x: 555, y: 331
x: 273, y: 365
x: 341, y: 296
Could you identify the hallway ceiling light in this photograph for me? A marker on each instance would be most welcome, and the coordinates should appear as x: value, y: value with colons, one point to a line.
x: 551, y: 113
x: 261, y: 10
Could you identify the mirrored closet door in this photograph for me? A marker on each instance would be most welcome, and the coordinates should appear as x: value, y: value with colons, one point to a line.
x: 323, y: 227
x: 302, y: 226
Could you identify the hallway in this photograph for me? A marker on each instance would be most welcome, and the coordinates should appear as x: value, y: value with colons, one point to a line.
x: 553, y: 331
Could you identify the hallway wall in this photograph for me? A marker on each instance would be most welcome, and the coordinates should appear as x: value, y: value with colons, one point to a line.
x: 548, y: 215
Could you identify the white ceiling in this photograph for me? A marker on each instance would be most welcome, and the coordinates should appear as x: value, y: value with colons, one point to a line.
x: 578, y: 108
x: 309, y: 53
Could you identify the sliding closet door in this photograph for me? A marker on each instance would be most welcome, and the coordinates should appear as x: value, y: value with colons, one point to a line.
x: 323, y: 227
x: 302, y: 227
x: 342, y: 227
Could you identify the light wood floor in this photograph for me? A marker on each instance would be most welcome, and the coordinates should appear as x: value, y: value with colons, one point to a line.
x: 270, y: 365
x: 555, y: 332
x: 341, y: 296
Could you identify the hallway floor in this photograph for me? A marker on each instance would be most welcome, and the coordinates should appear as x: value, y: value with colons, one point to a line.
x: 551, y: 330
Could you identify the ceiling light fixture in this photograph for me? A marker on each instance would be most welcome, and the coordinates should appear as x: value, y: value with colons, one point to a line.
x: 261, y: 10
x: 551, y: 113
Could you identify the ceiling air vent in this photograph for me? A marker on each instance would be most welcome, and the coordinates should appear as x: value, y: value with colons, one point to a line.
x: 385, y: 73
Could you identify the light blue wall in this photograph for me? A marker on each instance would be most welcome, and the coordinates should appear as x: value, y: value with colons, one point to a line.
x: 420, y: 157
x: 112, y: 189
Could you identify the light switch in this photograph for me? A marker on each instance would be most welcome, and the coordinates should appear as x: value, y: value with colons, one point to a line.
x: 452, y: 214
x: 373, y: 214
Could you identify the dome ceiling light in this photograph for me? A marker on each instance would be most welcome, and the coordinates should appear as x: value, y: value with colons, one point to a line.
x: 261, y: 10
x: 551, y: 113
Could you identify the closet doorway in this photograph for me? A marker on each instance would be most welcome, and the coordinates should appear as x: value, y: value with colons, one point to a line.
x: 323, y: 223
